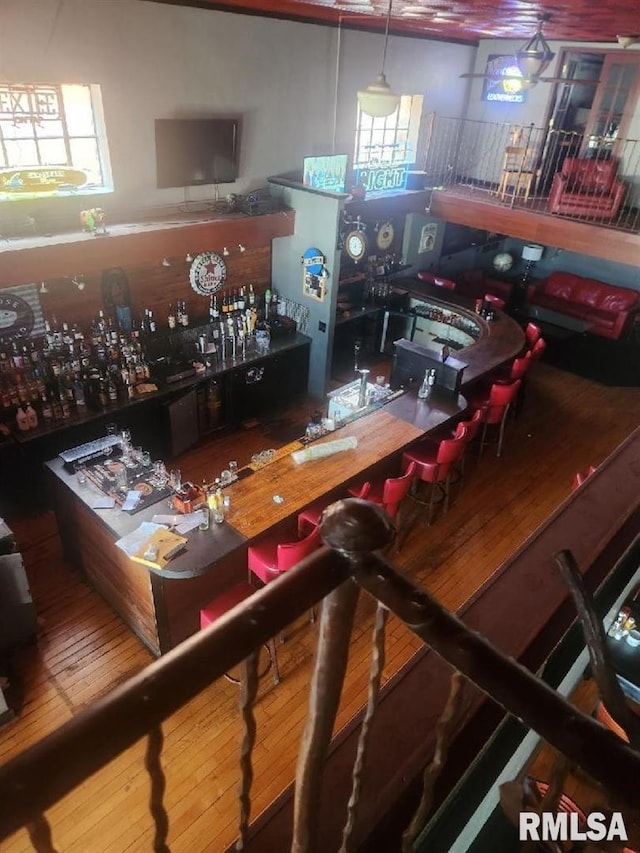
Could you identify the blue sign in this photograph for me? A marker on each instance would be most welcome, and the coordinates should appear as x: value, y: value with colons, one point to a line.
x: 503, y: 83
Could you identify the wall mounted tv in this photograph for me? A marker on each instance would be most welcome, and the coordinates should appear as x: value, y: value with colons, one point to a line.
x: 190, y: 152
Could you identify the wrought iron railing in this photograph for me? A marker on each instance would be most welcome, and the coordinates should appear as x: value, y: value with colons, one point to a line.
x: 469, y: 156
x: 355, y: 532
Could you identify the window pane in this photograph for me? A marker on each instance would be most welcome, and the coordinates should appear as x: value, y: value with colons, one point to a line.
x: 78, y: 110
x: 53, y: 152
x: 84, y: 155
x: 22, y: 153
x: 48, y: 129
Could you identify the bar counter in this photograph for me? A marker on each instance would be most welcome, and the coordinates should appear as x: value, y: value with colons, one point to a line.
x: 162, y: 606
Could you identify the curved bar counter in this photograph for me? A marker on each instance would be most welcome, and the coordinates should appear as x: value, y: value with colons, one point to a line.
x: 162, y: 606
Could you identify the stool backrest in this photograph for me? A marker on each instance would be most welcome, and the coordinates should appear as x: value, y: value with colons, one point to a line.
x: 290, y: 553
x: 538, y: 348
x: 396, y: 489
x: 469, y: 428
x: 450, y: 450
x: 520, y: 366
x: 495, y: 300
x: 426, y: 275
x: 532, y: 334
x: 500, y: 398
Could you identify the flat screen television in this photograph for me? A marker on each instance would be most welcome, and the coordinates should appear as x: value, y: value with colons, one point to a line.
x: 327, y: 172
x: 190, y: 152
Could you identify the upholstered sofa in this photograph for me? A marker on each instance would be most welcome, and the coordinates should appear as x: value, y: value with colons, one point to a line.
x: 587, y: 188
x: 608, y: 308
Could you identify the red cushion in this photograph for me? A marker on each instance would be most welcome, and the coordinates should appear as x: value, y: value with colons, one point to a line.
x: 220, y: 605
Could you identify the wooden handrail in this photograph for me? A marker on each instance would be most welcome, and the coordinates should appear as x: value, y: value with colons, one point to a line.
x: 37, y: 778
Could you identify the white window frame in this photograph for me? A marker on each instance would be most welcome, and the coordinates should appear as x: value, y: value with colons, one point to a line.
x: 392, y: 140
x: 30, y: 106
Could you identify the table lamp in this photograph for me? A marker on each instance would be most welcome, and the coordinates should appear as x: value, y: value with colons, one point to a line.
x: 531, y: 254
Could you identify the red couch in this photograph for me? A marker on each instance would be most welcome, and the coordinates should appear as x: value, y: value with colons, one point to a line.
x: 587, y: 188
x: 476, y: 283
x: 609, y: 308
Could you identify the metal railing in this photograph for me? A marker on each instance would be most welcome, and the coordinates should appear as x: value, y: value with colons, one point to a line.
x: 354, y: 533
x: 472, y: 157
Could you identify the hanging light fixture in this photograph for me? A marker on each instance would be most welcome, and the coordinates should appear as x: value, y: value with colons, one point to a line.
x: 534, y: 56
x: 378, y: 99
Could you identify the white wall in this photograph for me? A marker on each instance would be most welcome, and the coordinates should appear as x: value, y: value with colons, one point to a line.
x: 160, y: 61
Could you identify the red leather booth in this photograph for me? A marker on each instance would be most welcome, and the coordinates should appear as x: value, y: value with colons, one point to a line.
x: 609, y: 308
x: 587, y: 188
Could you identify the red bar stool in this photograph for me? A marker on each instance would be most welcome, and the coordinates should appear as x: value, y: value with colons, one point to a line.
x: 532, y: 334
x: 271, y: 557
x: 225, y: 602
x: 495, y: 301
x: 495, y: 410
x: 538, y: 348
x: 581, y: 476
x: 446, y: 283
x: 603, y: 716
x: 434, y: 463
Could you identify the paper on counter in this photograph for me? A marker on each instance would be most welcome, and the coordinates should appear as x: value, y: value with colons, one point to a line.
x: 319, y: 451
x: 133, y: 541
x: 103, y: 503
x: 181, y: 523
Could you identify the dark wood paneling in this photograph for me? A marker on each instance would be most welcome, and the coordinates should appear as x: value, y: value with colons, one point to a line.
x: 154, y: 286
x: 37, y: 258
x: 620, y: 246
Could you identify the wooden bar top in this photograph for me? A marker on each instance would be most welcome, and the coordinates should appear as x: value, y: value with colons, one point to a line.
x: 380, y: 434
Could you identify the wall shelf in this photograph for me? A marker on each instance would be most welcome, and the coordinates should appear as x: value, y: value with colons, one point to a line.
x: 135, y: 244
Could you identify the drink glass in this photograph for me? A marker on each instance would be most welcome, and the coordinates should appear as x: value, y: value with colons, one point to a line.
x: 121, y: 479
x: 111, y: 429
x: 205, y: 520
x: 81, y: 473
x: 233, y: 468
x: 145, y: 458
x: 175, y: 480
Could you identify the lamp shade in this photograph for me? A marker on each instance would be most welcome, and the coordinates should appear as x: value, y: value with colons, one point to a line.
x: 532, y: 252
x: 534, y: 56
x: 378, y: 99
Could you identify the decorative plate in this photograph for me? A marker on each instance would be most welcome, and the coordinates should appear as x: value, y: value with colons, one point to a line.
x: 355, y: 245
x: 385, y: 236
x: 207, y: 274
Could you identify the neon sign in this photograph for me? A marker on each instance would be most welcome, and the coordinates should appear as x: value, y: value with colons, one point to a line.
x: 382, y: 178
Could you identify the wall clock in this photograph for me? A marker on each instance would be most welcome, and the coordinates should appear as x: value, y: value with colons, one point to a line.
x: 207, y: 274
x: 385, y: 235
x: 355, y: 245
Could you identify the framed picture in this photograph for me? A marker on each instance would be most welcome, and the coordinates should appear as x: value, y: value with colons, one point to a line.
x: 428, y: 237
x: 313, y: 286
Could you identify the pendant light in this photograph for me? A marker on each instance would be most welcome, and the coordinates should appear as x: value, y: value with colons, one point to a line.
x: 378, y: 99
x: 534, y: 56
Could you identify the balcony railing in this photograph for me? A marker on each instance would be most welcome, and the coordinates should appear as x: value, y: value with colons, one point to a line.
x: 472, y: 158
x: 354, y: 532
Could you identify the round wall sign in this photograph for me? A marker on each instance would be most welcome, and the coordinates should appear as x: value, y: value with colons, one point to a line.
x: 385, y: 236
x: 16, y: 318
x: 313, y: 261
x: 207, y: 274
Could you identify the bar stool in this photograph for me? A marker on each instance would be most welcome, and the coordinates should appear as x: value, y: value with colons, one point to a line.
x: 495, y: 410
x: 532, y: 334
x: 309, y: 518
x: 438, y: 281
x: 434, y: 464
x: 225, y: 602
x: 495, y: 301
x: 581, y: 476
x: 271, y: 557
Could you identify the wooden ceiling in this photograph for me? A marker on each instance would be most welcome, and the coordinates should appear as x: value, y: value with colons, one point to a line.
x: 457, y: 20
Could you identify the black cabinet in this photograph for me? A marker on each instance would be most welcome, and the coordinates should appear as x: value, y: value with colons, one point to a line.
x: 268, y: 383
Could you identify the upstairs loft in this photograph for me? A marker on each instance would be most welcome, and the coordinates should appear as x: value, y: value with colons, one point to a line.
x: 510, y: 179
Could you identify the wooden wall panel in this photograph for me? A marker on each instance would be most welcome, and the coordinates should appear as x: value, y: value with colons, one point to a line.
x: 154, y: 286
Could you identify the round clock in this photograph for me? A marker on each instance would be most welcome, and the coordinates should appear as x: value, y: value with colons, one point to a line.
x: 385, y: 236
x: 503, y: 261
x: 355, y: 245
x: 207, y: 274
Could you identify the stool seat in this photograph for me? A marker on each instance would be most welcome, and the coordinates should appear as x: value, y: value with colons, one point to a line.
x: 225, y: 602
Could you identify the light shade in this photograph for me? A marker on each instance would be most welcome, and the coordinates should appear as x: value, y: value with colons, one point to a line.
x: 534, y: 56
x: 378, y: 99
x: 532, y: 252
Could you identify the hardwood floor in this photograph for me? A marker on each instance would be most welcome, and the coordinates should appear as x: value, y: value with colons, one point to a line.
x: 83, y: 649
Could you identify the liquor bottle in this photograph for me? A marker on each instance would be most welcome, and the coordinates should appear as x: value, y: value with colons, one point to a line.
x: 22, y: 420
x: 45, y: 408
x: 242, y: 300
x: 252, y: 297
x: 171, y: 318
x: 32, y: 417
x: 214, y: 313
x: 184, y: 315
x: 236, y: 300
